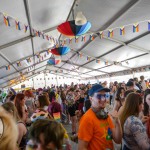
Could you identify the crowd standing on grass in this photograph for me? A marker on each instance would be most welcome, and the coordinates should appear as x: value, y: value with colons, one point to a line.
x: 101, y: 116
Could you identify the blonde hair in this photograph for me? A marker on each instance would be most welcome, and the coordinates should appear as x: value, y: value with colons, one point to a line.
x: 8, y: 141
x: 10, y: 108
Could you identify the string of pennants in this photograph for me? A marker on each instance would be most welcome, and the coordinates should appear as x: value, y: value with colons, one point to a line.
x: 121, y: 73
x: 20, y: 26
x: 109, y: 32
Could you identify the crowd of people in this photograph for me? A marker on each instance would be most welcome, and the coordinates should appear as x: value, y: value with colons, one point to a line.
x: 100, y: 116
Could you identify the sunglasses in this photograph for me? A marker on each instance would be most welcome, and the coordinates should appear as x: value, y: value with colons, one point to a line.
x: 101, y: 96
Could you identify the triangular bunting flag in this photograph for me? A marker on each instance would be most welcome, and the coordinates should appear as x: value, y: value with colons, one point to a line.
x: 91, y: 37
x: 17, y: 25
x: 98, y: 61
x: 136, y: 28
x: 122, y: 30
x: 101, y: 34
x: 6, y: 20
x: 110, y: 33
x: 25, y: 28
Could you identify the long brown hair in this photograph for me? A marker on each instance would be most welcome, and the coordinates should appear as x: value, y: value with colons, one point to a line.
x: 131, y: 107
x: 19, y: 97
x: 43, y: 101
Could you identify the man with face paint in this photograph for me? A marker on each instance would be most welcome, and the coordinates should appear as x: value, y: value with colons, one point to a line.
x: 97, y: 129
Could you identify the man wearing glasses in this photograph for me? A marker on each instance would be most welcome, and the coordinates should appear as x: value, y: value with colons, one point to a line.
x: 97, y: 129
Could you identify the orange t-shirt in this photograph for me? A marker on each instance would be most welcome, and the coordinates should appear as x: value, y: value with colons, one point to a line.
x: 95, y: 131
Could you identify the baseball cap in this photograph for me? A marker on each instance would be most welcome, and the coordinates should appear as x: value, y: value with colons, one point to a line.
x: 97, y: 88
x: 130, y: 83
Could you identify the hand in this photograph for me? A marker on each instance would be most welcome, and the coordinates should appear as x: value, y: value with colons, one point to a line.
x: 114, y: 116
x: 145, y: 119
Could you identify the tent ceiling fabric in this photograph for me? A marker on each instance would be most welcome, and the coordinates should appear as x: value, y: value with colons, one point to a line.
x: 46, y: 15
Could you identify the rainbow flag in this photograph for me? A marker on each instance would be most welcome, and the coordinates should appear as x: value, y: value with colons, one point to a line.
x: 25, y: 28
x: 83, y: 38
x: 149, y: 26
x: 47, y: 37
x: 64, y: 42
x: 6, y: 20
x: 136, y: 28
x: 57, y: 116
x: 70, y: 41
x: 43, y: 35
x: 88, y: 58
x: 38, y: 55
x: 28, y: 60
x: 8, y: 67
x: 38, y: 33
x: 101, y: 34
x: 80, y: 54
x: 106, y: 62
x: 76, y: 40
x: 17, y: 25
x: 110, y: 33
x: 122, y: 30
x: 18, y: 64
x: 98, y: 61
x: 91, y: 37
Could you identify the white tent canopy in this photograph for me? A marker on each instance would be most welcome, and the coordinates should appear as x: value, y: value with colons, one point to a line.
x: 124, y: 54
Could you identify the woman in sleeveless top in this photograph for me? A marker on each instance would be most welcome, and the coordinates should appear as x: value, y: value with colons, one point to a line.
x: 22, y: 136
